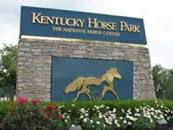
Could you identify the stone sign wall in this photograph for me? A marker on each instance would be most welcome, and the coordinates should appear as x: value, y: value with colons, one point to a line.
x: 35, y: 60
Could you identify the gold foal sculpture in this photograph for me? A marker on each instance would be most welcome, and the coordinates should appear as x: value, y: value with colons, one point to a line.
x: 83, y: 84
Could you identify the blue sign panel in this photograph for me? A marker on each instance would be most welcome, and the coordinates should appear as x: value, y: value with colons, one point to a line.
x: 89, y: 79
x: 80, y: 25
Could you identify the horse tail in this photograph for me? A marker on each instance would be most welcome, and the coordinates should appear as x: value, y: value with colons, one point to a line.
x: 74, y: 85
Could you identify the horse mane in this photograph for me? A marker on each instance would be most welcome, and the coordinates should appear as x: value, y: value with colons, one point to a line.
x: 111, y: 71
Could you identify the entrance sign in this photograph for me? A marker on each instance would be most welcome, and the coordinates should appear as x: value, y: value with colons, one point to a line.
x: 75, y: 70
x: 80, y: 25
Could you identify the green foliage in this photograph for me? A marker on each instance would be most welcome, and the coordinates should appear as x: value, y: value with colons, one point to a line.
x: 104, y: 115
x: 8, y: 70
x: 30, y: 114
x: 143, y: 123
x: 163, y: 82
x: 3, y: 110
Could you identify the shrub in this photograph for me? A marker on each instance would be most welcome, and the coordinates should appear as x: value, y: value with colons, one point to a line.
x: 29, y: 114
x: 105, y: 115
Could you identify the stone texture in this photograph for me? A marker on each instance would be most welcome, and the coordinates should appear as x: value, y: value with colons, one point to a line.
x: 34, y: 64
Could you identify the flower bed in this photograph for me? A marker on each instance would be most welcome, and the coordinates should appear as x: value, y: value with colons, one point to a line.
x: 32, y: 114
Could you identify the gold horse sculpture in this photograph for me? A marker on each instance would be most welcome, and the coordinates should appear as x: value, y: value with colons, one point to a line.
x: 83, y: 84
x: 108, y: 77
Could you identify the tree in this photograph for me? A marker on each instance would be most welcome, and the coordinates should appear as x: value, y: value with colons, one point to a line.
x: 163, y: 82
x: 8, y: 71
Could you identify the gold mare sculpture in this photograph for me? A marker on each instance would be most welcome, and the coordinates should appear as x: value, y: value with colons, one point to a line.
x: 83, y: 84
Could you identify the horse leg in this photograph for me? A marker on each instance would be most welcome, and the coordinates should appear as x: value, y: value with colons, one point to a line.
x: 89, y: 96
x: 77, y: 96
x: 115, y: 94
x: 104, y: 91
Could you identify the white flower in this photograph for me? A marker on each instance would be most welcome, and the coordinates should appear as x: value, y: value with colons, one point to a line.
x: 97, y: 107
x: 100, y: 115
x: 118, y: 125
x: 108, y: 121
x: 67, y: 116
x: 102, y: 106
x: 82, y: 110
x: 113, y: 116
x: 161, y: 106
x: 72, y: 125
x: 115, y: 122
x: 85, y: 120
x: 156, y: 101
x: 110, y: 118
x: 91, y: 121
x: 73, y: 105
x: 151, y: 120
x: 132, y: 118
x: 107, y: 107
x: 114, y: 110
x: 120, y: 117
x: 61, y: 106
x: 81, y: 117
x: 86, y: 114
x: 152, y: 108
x: 124, y: 121
x: 123, y: 111
x: 137, y: 110
x: 129, y: 111
x: 98, y: 122
x: 129, y: 123
x: 168, y: 118
x: 5, y: 71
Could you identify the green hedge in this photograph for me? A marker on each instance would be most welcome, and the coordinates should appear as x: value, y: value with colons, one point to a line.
x: 4, y: 107
x: 102, y: 115
x: 116, y: 104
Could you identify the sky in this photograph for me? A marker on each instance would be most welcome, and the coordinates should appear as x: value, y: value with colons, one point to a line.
x: 157, y: 15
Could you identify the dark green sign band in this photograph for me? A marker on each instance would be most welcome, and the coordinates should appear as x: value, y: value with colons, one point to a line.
x: 80, y: 25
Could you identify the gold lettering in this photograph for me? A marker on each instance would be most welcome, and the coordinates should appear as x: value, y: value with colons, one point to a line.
x: 137, y: 28
x: 92, y: 22
x: 80, y: 22
x: 57, y: 29
x: 74, y: 22
x: 71, y: 22
x: 98, y: 24
x: 124, y: 26
x: 50, y: 20
x: 44, y: 20
x: 58, y: 20
x: 75, y: 30
x: 35, y: 17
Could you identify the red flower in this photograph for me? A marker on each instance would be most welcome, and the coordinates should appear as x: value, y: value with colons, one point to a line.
x: 50, y: 108
x: 35, y: 101
x: 21, y: 100
x: 61, y: 117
